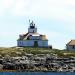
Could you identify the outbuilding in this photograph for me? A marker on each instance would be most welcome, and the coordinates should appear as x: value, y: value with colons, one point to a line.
x: 70, y: 45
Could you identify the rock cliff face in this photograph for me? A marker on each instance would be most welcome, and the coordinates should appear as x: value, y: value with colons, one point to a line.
x: 39, y: 62
x: 36, y: 59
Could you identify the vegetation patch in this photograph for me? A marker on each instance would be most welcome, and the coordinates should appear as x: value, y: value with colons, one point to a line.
x: 20, y: 51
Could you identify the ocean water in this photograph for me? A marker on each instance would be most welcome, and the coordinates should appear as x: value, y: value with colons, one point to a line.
x: 37, y: 73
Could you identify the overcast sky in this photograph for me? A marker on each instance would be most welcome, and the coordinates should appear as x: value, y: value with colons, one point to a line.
x: 55, y: 18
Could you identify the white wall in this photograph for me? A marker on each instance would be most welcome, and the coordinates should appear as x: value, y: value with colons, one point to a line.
x: 25, y: 43
x: 31, y: 30
x: 41, y: 43
x: 68, y: 47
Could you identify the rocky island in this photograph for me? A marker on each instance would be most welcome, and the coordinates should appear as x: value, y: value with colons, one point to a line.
x: 36, y: 59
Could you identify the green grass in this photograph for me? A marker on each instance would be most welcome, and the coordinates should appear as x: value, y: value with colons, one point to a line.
x: 16, y: 51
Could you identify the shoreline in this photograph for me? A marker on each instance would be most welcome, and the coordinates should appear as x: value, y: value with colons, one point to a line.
x: 32, y: 71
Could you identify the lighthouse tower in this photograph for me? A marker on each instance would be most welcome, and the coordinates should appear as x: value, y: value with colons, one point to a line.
x: 32, y: 28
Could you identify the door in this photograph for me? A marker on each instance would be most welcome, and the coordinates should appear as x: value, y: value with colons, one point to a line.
x: 35, y: 43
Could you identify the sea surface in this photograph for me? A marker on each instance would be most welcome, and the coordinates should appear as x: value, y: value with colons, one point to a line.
x: 37, y: 73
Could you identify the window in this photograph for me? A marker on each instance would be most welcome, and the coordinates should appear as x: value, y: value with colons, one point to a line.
x: 73, y: 46
x: 33, y: 31
x: 21, y: 43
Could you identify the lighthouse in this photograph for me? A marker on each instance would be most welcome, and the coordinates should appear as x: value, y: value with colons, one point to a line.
x: 32, y: 38
x: 32, y: 28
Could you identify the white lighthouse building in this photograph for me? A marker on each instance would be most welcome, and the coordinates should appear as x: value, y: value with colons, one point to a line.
x: 32, y: 38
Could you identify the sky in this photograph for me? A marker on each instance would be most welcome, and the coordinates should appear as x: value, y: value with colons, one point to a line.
x: 54, y: 18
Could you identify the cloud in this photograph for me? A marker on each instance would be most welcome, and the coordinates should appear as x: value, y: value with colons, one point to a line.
x: 31, y: 7
x: 58, y: 9
x: 42, y: 8
x: 4, y: 5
